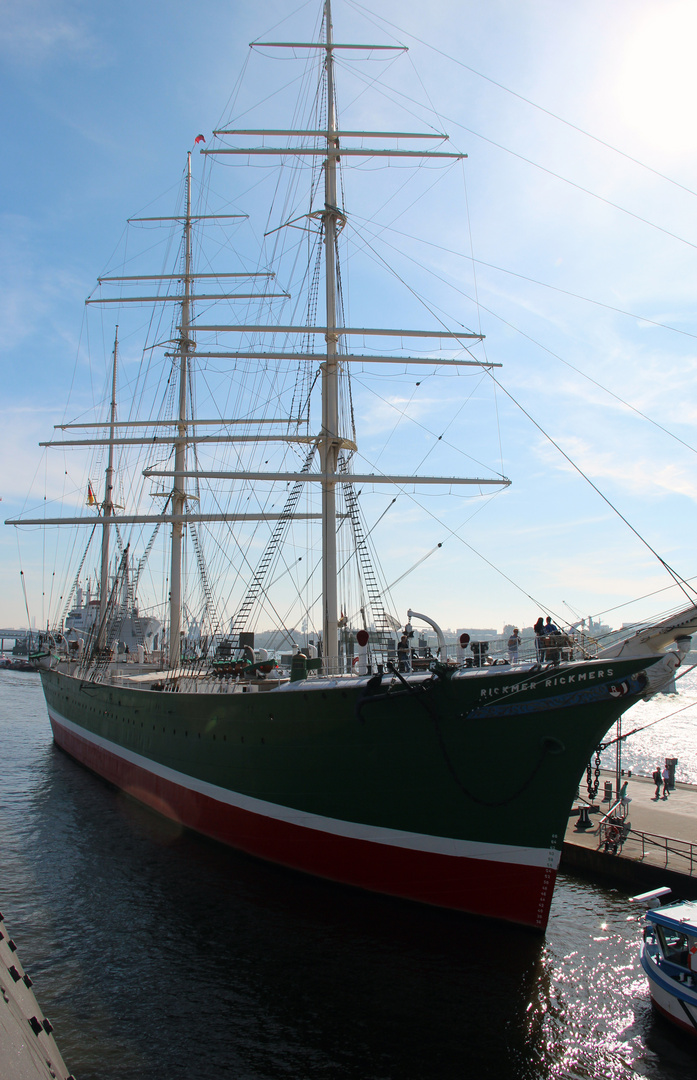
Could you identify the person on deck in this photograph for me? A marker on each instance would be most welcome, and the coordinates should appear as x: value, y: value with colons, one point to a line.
x: 666, y: 782
x: 513, y: 646
x: 403, y: 653
x: 550, y: 628
x: 539, y: 629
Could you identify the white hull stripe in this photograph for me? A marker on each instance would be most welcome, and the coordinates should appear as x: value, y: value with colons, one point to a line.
x: 501, y: 853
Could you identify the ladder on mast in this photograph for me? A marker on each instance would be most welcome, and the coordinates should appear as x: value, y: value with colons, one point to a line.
x: 242, y: 616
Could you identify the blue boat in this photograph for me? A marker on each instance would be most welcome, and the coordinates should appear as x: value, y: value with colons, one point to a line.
x: 669, y: 957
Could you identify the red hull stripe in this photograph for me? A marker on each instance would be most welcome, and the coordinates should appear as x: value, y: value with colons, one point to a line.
x: 415, y: 841
x: 380, y: 860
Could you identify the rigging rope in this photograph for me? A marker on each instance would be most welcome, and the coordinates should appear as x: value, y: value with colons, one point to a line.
x: 528, y: 337
x: 679, y: 581
x: 550, y: 172
x: 521, y: 97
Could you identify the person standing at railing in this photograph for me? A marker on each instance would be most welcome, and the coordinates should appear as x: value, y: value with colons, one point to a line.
x: 404, y: 653
x: 539, y: 629
x: 513, y: 646
x: 624, y: 799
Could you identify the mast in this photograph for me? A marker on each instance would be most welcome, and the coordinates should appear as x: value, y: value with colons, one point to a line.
x: 179, y: 488
x: 330, y: 146
x: 327, y: 144
x: 108, y: 506
x: 329, y: 445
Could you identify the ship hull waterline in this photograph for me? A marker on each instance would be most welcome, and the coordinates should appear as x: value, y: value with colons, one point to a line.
x: 452, y: 792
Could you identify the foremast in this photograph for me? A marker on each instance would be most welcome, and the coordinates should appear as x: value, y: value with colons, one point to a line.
x: 107, y: 507
x: 185, y: 427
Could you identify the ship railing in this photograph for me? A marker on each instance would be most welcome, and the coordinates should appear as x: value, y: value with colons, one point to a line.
x: 553, y: 648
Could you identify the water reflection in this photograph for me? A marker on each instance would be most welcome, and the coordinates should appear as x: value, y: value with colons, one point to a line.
x: 260, y: 972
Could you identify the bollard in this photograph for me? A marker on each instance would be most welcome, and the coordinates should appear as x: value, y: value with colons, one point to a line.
x: 584, y: 821
x: 298, y: 667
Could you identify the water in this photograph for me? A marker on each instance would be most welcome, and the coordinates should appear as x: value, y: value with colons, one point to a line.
x: 675, y: 736
x: 160, y: 956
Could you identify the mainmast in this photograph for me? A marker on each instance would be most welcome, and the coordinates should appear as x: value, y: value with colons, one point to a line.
x: 179, y: 495
x: 330, y: 442
x: 107, y: 507
x: 331, y: 145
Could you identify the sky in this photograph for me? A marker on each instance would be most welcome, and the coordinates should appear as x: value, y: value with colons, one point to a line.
x: 573, y: 224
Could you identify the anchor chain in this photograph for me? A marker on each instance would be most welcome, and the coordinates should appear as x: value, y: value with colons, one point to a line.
x: 593, y: 785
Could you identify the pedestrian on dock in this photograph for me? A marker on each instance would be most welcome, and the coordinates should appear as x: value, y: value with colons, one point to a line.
x: 658, y: 780
x: 666, y: 782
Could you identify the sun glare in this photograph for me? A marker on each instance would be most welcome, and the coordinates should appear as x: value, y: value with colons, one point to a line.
x: 657, y: 79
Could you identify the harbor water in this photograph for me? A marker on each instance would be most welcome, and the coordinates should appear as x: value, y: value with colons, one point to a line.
x: 158, y: 955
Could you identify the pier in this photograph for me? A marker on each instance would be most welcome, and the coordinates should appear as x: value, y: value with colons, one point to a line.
x: 28, y: 1048
x: 9, y: 637
x: 657, y: 846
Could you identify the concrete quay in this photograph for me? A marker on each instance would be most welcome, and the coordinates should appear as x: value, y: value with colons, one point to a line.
x: 659, y: 849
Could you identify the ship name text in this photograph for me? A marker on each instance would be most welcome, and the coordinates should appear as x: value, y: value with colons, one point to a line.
x: 559, y: 680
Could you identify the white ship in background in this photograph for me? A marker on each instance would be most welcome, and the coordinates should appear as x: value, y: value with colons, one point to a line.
x: 135, y: 630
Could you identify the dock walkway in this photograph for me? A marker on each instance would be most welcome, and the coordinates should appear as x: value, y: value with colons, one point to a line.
x: 660, y: 849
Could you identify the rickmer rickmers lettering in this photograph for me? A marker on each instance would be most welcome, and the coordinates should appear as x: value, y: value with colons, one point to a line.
x: 344, y: 750
x: 559, y: 680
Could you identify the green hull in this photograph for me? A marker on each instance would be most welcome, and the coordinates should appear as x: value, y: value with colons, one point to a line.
x: 483, y: 764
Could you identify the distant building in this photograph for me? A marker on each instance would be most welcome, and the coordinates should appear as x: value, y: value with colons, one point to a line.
x: 478, y: 635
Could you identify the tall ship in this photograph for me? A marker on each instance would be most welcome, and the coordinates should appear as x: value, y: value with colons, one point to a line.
x: 233, y: 495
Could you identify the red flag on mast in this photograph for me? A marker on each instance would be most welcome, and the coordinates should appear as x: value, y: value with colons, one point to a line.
x: 198, y: 139
x: 90, y: 495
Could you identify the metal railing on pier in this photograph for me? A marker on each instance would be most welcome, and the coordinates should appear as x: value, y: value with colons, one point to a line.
x: 672, y: 854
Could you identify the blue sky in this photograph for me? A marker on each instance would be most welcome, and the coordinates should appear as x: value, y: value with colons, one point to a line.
x: 102, y: 103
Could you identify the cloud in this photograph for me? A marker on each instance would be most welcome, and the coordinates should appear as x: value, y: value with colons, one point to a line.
x: 642, y: 475
x: 21, y: 430
x: 31, y: 31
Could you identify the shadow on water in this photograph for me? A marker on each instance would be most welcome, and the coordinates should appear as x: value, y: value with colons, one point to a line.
x: 160, y: 955
x: 167, y: 950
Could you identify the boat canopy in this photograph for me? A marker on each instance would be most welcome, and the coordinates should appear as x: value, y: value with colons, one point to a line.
x: 681, y: 916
